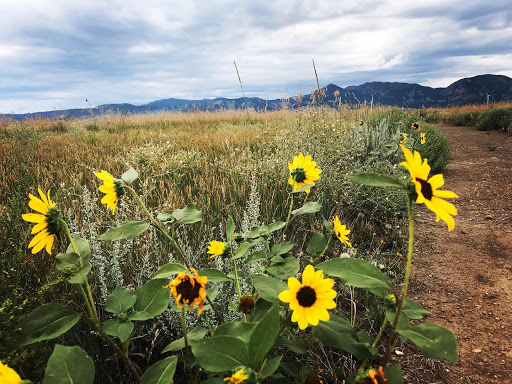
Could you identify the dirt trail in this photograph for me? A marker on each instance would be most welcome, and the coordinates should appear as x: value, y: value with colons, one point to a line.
x: 464, y: 277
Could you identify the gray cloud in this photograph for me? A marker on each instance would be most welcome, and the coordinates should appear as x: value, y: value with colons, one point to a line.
x: 54, y: 54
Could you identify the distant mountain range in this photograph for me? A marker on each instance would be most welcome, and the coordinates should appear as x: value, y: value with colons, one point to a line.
x: 471, y: 90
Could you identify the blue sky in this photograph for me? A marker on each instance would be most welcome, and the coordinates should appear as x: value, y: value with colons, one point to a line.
x: 54, y: 54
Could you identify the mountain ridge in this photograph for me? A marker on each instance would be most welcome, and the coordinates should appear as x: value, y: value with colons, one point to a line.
x: 470, y: 90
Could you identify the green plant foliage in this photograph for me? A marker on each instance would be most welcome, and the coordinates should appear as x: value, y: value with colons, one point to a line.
x: 230, y: 228
x: 220, y: 353
x: 282, y: 248
x: 294, y: 344
x: 82, y: 246
x: 433, y: 340
x: 316, y: 244
x: 241, y: 251
x: 375, y: 180
x: 304, y: 188
x: 152, y: 298
x: 339, y: 334
x: 356, y: 273
x: 194, y: 334
x: 130, y: 176
x: 270, y: 367
x: 214, y: 275
x: 188, y: 215
x: 263, y: 336
x: 69, y: 265
x: 413, y: 310
x: 119, y: 301
x: 128, y: 230
x: 394, y: 374
x: 257, y: 256
x: 69, y: 365
x: 122, y: 330
x: 162, y: 372
x: 308, y: 208
x: 238, y: 329
x: 47, y: 322
x: 169, y: 270
x: 284, y: 269
x: 268, y: 287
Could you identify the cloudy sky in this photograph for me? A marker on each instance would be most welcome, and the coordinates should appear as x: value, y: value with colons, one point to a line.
x: 56, y: 53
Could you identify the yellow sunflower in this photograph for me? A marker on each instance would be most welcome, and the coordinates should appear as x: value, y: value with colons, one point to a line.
x: 416, y: 125
x: 310, y: 300
x: 403, y: 138
x: 8, y: 375
x: 303, y: 171
x: 360, y: 122
x: 341, y: 232
x: 189, y: 289
x: 48, y: 221
x: 238, y: 377
x: 113, y: 189
x: 427, y: 190
x: 217, y: 248
x: 422, y: 138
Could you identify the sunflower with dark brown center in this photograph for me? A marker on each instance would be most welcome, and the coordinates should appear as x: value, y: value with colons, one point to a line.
x: 416, y: 125
x: 189, y: 289
x: 427, y: 188
x: 373, y: 377
x: 313, y: 378
x: 310, y: 300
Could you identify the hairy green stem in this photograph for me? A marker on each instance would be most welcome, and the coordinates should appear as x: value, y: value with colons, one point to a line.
x: 89, y: 300
x: 187, y: 353
x: 325, y: 249
x: 288, y: 217
x: 400, y: 302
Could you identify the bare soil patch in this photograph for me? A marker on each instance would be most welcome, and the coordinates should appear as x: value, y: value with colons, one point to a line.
x: 464, y: 277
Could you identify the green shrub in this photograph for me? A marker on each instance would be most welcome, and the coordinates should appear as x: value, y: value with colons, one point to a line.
x: 495, y: 119
x: 464, y: 119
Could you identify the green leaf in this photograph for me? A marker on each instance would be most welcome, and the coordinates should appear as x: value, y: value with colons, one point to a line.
x: 139, y: 316
x: 128, y: 230
x: 415, y: 311
x: 308, y: 208
x: 403, y: 322
x: 275, y: 226
x: 194, y: 334
x: 230, y: 229
x: 165, y: 217
x: 316, y: 244
x: 69, y: 365
x: 82, y: 246
x: 220, y: 353
x: 152, y: 297
x: 394, y: 374
x: 256, y: 232
x: 257, y: 256
x: 188, y: 215
x: 80, y: 276
x: 338, y: 333
x: 304, y: 188
x: 120, y: 300
x: 268, y: 287
x: 264, y: 336
x: 242, y: 250
x: 375, y: 180
x: 122, y: 330
x: 169, y: 270
x: 281, y: 249
x: 238, y: 329
x: 270, y: 367
x: 47, y: 322
x: 294, y: 345
x: 433, y: 340
x: 355, y: 272
x: 162, y: 372
x: 214, y: 275
x: 289, y: 267
x: 130, y: 176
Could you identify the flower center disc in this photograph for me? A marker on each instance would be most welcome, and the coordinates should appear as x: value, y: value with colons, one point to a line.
x: 426, y: 189
x: 299, y: 175
x: 188, y: 291
x: 306, y: 296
